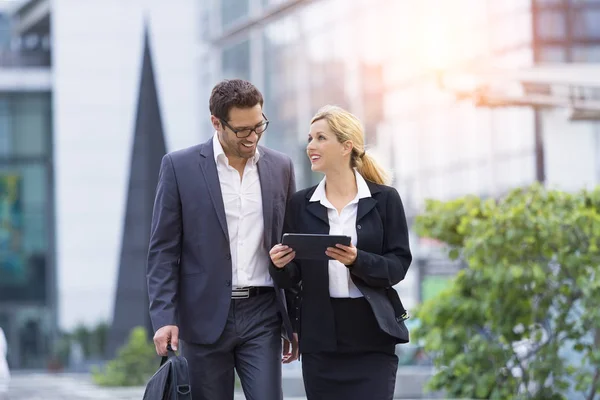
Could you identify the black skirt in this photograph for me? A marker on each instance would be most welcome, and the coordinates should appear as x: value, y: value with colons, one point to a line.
x: 349, y: 376
x: 363, y: 367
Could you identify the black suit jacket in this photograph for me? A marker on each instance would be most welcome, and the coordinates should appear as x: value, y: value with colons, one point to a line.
x: 383, y: 259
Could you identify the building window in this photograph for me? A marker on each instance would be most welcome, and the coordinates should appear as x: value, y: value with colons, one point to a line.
x: 235, y: 60
x: 551, y: 24
x: 586, y: 23
x: 24, y: 196
x: 548, y: 2
x: 26, y: 227
x: 586, y: 54
x: 556, y: 54
x: 233, y: 11
x: 585, y: 1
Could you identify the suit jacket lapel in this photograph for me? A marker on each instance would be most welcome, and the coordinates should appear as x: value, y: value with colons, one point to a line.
x: 317, y: 209
x: 364, y: 207
x: 264, y: 174
x: 211, y: 176
x: 366, y: 204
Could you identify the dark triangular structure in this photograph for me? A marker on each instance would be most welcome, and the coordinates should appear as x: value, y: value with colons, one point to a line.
x: 131, y: 303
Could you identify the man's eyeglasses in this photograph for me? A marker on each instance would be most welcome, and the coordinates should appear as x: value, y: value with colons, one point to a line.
x: 245, y: 132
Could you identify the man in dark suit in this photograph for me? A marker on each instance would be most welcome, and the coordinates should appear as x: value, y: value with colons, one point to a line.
x: 219, y: 208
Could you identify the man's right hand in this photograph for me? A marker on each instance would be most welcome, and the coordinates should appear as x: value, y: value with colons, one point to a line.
x: 281, y: 255
x: 165, y: 335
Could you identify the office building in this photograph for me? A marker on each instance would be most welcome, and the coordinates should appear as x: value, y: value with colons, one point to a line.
x: 27, y: 261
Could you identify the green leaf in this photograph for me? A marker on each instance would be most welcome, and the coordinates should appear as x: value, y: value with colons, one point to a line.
x: 454, y: 254
x: 533, y: 258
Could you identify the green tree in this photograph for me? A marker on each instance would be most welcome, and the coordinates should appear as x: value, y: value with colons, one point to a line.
x: 99, y: 339
x: 83, y: 336
x: 135, y: 363
x: 529, y: 296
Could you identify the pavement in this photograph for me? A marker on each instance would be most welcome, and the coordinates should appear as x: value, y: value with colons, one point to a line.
x: 79, y: 386
x: 42, y: 386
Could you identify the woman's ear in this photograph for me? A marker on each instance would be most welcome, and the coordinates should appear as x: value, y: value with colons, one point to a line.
x: 348, y: 146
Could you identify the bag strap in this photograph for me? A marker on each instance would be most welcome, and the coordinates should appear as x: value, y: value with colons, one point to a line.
x: 399, y: 310
x: 170, y: 353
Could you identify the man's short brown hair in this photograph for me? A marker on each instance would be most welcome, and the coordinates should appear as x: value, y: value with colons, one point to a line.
x: 233, y: 93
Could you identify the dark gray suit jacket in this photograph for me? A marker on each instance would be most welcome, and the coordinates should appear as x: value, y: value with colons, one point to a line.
x: 189, y: 260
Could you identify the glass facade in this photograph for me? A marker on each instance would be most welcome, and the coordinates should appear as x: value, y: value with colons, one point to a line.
x: 32, y: 49
x: 567, y: 31
x: 27, y: 283
x: 379, y: 58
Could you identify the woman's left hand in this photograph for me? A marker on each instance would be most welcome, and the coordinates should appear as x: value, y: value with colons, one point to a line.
x: 344, y: 254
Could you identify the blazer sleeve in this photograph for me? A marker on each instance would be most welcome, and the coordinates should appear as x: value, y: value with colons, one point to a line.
x: 291, y: 182
x: 288, y: 277
x: 165, y: 248
x: 390, y: 267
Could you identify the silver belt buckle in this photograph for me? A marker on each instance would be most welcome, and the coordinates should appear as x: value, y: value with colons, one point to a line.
x: 240, y: 293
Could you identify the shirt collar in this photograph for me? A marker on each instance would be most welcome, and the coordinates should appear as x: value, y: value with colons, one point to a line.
x: 220, y: 153
x: 363, y: 190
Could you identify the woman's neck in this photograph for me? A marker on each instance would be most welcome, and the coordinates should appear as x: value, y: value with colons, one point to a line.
x: 341, y: 183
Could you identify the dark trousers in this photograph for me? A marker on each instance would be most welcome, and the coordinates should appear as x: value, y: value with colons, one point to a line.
x: 250, y: 343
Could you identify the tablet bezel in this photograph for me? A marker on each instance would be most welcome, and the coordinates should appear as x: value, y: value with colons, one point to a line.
x: 311, y: 246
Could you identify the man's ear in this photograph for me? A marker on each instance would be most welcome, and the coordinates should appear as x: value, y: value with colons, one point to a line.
x: 216, y: 123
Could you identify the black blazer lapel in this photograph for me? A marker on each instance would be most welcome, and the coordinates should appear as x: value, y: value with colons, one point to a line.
x: 317, y: 209
x: 211, y: 176
x: 364, y: 207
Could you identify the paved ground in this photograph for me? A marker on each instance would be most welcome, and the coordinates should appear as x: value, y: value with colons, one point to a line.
x: 34, y: 386
x: 39, y: 386
x: 42, y: 386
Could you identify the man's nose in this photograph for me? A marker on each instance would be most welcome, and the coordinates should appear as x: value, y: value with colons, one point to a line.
x: 253, y: 136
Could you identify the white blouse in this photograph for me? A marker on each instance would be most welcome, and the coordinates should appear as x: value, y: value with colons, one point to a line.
x: 344, y: 223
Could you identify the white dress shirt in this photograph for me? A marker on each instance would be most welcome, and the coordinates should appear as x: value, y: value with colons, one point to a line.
x: 340, y: 283
x: 242, y: 199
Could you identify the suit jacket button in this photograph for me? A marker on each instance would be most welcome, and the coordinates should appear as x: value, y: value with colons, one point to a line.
x: 228, y: 256
x: 358, y: 227
x: 228, y: 283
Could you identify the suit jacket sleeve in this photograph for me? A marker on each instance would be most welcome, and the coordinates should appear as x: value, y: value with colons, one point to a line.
x: 390, y: 267
x: 165, y: 248
x: 288, y: 277
x: 292, y: 182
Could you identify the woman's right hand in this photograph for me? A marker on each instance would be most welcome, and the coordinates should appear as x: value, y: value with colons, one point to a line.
x: 281, y: 255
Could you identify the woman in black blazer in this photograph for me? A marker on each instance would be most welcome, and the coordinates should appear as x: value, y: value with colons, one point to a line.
x: 347, y: 324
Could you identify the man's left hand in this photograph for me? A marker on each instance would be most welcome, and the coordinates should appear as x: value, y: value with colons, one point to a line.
x: 290, y: 355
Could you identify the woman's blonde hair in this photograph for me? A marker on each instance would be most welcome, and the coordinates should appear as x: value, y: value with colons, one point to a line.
x: 347, y: 127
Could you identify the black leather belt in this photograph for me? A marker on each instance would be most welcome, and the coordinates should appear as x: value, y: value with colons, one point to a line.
x: 245, y: 293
